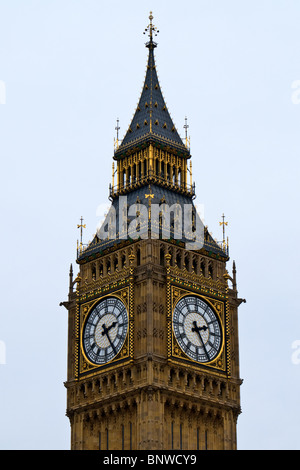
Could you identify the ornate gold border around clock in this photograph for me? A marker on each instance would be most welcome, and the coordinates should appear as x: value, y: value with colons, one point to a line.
x: 84, y: 366
x: 221, y: 362
x: 198, y: 282
x: 104, y: 286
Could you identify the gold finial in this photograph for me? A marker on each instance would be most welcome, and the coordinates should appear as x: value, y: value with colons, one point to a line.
x: 152, y: 30
x: 150, y: 196
x: 116, y: 141
x: 224, y: 223
x: 187, y: 139
x: 151, y: 18
x: 150, y: 25
x: 81, y: 226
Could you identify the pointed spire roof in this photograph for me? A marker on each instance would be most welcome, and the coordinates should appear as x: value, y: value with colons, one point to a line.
x: 151, y: 121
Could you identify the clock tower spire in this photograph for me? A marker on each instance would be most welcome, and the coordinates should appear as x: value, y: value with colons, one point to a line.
x: 153, y: 351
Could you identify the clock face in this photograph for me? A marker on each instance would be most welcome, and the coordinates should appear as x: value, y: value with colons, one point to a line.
x: 197, y: 329
x: 105, y: 330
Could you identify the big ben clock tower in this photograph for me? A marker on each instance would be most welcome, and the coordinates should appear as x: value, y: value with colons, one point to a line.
x: 153, y: 352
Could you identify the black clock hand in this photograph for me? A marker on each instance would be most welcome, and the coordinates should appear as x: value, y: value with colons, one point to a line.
x: 105, y: 332
x: 197, y: 329
x: 112, y: 325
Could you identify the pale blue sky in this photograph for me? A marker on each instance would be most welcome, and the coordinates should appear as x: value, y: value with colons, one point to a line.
x: 71, y: 68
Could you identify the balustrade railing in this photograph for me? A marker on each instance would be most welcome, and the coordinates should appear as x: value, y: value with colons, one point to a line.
x: 152, y: 177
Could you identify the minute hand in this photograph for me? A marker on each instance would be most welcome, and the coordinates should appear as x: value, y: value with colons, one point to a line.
x: 197, y: 329
x: 105, y: 332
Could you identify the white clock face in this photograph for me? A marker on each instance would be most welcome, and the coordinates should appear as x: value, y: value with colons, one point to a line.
x: 105, y: 330
x: 197, y: 329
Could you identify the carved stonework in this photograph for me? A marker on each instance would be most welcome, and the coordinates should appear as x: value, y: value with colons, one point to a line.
x: 137, y: 378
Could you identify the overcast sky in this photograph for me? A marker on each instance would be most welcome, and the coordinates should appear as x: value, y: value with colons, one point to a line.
x: 68, y: 70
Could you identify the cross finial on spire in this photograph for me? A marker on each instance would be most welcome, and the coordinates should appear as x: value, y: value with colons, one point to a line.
x: 187, y: 139
x: 116, y: 141
x: 223, y: 223
x: 81, y: 226
x: 150, y: 196
x: 117, y: 128
x: 152, y: 31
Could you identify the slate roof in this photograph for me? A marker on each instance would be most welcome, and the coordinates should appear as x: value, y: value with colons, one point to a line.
x: 161, y: 195
x: 151, y: 120
x: 151, y: 123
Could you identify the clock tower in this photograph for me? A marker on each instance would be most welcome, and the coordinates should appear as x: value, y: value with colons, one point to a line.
x: 153, y: 352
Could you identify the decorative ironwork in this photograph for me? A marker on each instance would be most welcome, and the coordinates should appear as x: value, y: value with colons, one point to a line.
x: 148, y: 178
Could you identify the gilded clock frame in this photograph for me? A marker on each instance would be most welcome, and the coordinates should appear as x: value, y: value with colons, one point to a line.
x: 85, y: 366
x: 221, y: 362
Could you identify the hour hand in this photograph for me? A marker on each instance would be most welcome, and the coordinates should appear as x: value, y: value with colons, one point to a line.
x: 198, y: 328
x: 112, y: 325
x: 106, y: 329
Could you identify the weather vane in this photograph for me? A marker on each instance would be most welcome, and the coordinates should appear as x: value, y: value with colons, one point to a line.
x: 152, y: 30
